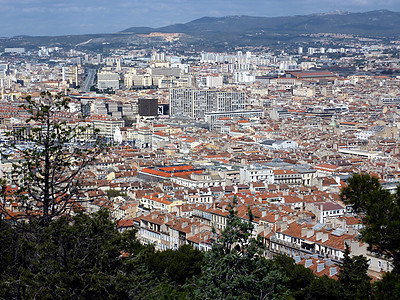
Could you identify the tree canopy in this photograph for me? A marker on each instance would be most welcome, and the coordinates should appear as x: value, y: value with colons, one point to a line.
x: 85, y: 257
x: 353, y: 278
x: 379, y: 211
x: 235, y: 267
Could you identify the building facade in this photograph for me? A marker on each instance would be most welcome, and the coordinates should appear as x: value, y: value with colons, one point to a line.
x: 194, y: 103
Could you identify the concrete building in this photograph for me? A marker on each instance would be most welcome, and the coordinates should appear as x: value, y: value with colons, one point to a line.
x: 135, y: 80
x: 255, y: 174
x: 106, y: 126
x: 107, y: 80
x: 194, y: 103
x: 70, y: 74
x: 148, y: 107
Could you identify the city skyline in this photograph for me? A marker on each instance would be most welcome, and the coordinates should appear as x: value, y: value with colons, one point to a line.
x: 44, y: 17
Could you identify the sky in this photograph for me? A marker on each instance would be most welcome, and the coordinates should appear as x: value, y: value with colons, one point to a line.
x: 68, y: 17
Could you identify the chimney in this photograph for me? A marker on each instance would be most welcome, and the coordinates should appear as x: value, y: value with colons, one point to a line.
x: 303, y: 231
x: 319, y: 236
x: 310, y: 233
x: 308, y: 263
x: 284, y: 226
x: 325, y: 237
x: 320, y: 267
x: 260, y: 228
x: 264, y: 213
x: 333, y: 271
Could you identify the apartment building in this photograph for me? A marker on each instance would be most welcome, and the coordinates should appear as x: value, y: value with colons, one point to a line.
x: 107, y: 80
x: 256, y: 174
x: 194, y: 103
x: 106, y: 126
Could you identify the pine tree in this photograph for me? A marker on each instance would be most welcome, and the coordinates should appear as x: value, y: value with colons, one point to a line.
x: 353, y: 278
x: 50, y: 167
x: 235, y: 267
x: 379, y: 211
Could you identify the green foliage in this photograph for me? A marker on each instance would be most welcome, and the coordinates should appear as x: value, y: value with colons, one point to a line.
x: 359, y: 191
x: 353, y: 278
x: 78, y: 258
x: 235, y: 268
x: 114, y: 193
x: 388, y: 287
x: 178, y: 265
x: 324, y: 288
x: 82, y: 258
x: 300, y: 277
x: 379, y: 211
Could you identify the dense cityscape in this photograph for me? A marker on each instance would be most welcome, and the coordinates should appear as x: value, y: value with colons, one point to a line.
x: 279, y: 130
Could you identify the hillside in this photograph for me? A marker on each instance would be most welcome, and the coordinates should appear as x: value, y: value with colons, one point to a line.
x: 380, y: 23
x: 218, y: 33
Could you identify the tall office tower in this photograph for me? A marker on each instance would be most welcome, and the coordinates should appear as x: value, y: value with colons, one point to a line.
x: 76, y: 75
x: 194, y: 103
x: 300, y: 50
x: 99, y: 58
x: 63, y: 74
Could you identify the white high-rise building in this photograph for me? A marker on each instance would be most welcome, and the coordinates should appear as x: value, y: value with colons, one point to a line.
x: 69, y: 74
x: 194, y: 103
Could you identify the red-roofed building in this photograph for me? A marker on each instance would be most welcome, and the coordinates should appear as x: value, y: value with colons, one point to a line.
x: 166, y: 173
x: 313, y: 75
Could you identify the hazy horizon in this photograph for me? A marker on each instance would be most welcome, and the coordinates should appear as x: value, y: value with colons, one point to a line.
x: 50, y: 18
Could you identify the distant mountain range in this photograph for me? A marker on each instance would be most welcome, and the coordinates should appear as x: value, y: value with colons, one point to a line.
x: 209, y: 32
x: 378, y: 22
